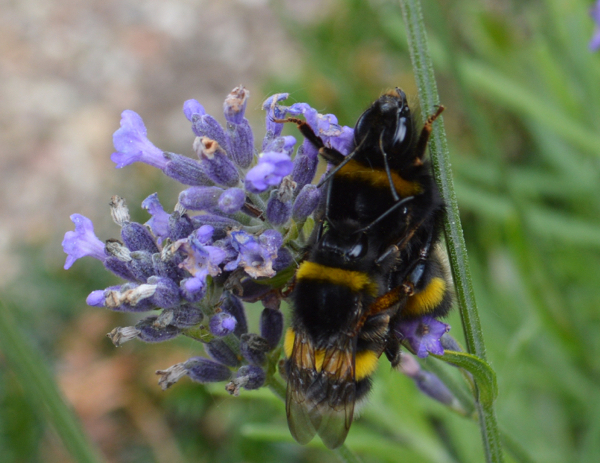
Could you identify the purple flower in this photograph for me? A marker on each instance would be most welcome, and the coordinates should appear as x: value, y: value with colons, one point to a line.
x: 166, y: 261
x: 222, y: 324
x: 204, y: 234
x: 423, y: 335
x: 215, y: 163
x: 200, y: 198
x: 232, y: 200
x: 306, y: 202
x: 132, y: 144
x: 271, y: 168
x: 255, y: 256
x: 96, y: 298
x: 595, y: 14
x: 343, y: 141
x: 82, y: 242
x: 201, y: 261
x: 159, y: 223
x: 206, y: 371
x: 427, y: 382
x: 274, y: 111
x: 249, y: 377
x: 191, y: 108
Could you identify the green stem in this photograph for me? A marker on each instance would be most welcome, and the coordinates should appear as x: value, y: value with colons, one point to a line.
x: 40, y: 387
x: 423, y: 68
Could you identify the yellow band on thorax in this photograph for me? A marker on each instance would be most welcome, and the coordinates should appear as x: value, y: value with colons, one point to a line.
x: 378, y: 178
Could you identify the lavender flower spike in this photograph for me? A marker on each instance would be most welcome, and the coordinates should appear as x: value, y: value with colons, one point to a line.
x: 132, y: 144
x: 595, y: 14
x: 82, y: 242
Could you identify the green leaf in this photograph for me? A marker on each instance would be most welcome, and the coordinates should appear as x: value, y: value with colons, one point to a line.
x: 485, y: 377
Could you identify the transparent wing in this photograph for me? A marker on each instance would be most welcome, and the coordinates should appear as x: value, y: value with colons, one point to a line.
x: 321, y: 390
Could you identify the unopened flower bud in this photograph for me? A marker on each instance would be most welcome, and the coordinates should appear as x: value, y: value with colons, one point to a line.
x: 166, y: 294
x: 254, y: 347
x: 180, y: 226
x: 306, y: 202
x: 138, y: 238
x: 149, y: 332
x: 215, y: 163
x: 207, y: 126
x: 200, y: 198
x: 203, y: 370
x: 232, y: 305
x: 279, y: 207
x: 284, y: 259
x: 141, y: 265
x: 119, y: 268
x: 242, y: 144
x: 249, y: 377
x: 222, y: 323
x: 305, y: 164
x: 271, y: 326
x: 185, y: 170
x: 221, y: 352
x: 232, y: 200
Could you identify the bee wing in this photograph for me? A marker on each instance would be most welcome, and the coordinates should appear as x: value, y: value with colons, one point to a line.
x: 339, y: 381
x: 301, y: 373
x: 321, y: 400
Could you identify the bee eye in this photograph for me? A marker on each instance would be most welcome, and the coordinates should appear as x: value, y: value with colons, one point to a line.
x: 356, y: 251
x: 400, y: 130
x: 359, y: 249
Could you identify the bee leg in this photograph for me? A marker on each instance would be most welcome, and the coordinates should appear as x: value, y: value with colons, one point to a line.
x: 416, y: 270
x: 392, y: 351
x: 424, y: 137
x: 387, y: 169
x: 395, y: 206
x: 331, y: 155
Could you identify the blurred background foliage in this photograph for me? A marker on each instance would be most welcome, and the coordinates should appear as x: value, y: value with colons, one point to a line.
x: 522, y: 95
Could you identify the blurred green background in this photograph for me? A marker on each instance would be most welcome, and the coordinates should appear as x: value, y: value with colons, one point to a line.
x: 522, y: 92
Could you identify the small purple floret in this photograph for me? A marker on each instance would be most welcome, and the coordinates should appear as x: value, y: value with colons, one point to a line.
x: 232, y: 200
x: 96, y: 298
x: 271, y: 168
x: 159, y: 223
x: 191, y: 107
x: 132, y: 144
x: 222, y: 324
x: 423, y: 334
x: 82, y: 242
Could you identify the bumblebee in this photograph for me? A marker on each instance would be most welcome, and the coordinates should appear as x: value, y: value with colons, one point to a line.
x: 370, y: 263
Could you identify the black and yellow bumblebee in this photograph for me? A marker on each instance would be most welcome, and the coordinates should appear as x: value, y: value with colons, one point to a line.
x: 370, y: 263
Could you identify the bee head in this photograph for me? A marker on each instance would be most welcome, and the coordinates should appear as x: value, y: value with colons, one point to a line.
x: 387, y: 123
x: 347, y: 247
